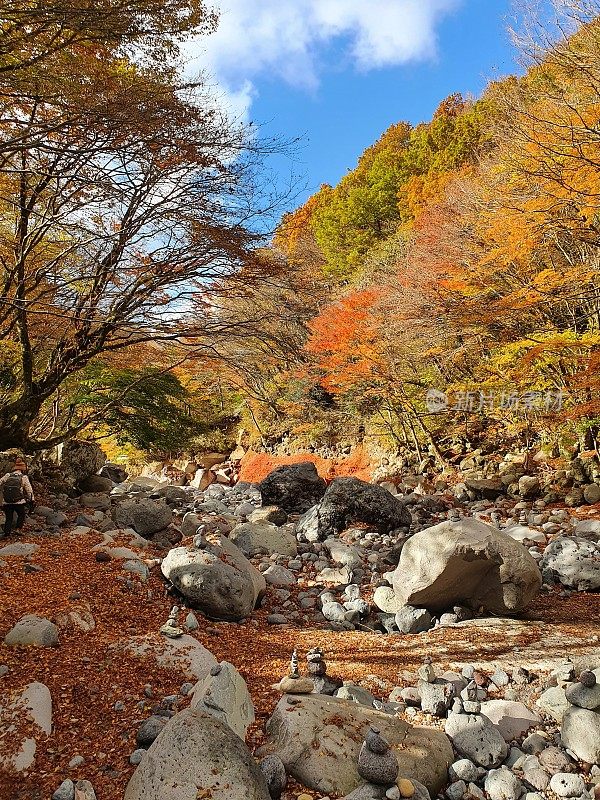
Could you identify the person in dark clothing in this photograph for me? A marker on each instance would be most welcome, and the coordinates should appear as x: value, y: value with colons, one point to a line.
x: 17, y: 494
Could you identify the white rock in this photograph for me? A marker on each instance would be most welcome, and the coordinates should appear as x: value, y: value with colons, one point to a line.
x: 521, y: 532
x: 475, y: 737
x: 501, y: 784
x: 566, y: 784
x: 31, y: 713
x: 512, y: 719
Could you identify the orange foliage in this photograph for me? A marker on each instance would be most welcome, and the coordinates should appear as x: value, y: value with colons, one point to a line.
x: 345, y: 337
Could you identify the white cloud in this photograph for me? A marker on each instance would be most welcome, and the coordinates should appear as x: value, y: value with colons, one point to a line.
x: 287, y: 39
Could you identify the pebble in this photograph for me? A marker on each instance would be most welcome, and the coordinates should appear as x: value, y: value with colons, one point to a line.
x: 554, y: 760
x: 566, y: 784
x: 534, y: 744
x: 501, y: 784
x: 277, y: 619
x: 191, y: 622
x: 406, y: 787
x: 465, y: 770
x: 136, y: 756
x: 66, y: 791
x: 76, y: 761
x: 456, y: 790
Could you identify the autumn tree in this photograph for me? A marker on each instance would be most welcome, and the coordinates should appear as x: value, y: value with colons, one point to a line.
x: 34, y: 32
x: 122, y: 224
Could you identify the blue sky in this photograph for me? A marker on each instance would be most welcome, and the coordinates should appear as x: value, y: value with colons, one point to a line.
x: 339, y: 72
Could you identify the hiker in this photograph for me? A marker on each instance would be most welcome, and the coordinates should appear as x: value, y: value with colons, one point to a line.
x: 17, y: 494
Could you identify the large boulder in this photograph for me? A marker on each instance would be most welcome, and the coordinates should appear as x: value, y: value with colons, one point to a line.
x: 217, y: 579
x: 173, y: 495
x: 318, y: 738
x: 486, y: 488
x: 184, y: 655
x: 32, y: 631
x: 474, y: 736
x: 95, y: 484
x: 350, y: 500
x: 114, y: 472
x: 223, y: 694
x: 197, y: 755
x: 580, y: 732
x: 145, y: 516
x: 512, y: 719
x: 466, y: 563
x: 257, y: 537
x: 80, y: 459
x: 293, y: 487
x: 25, y: 722
x: 574, y: 562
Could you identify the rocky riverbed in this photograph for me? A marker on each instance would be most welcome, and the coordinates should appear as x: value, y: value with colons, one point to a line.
x: 468, y: 700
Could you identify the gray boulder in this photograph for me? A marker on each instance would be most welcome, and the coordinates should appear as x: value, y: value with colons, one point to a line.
x: 32, y: 630
x: 191, y: 522
x: 255, y: 537
x: 574, y: 562
x: 115, y: 472
x: 96, y: 484
x: 580, y: 733
x: 272, y: 514
x: 585, y: 696
x: 511, y: 718
x: 343, y: 553
x: 195, y: 755
x: 224, y: 695
x: 553, y: 701
x: 591, y: 493
x: 436, y: 698
x: 350, y: 500
x: 319, y: 738
x: 413, y: 620
x: 293, y: 487
x: 145, y: 516
x: 80, y: 459
x: 486, y: 488
x: 385, y: 598
x: 100, y: 502
x: 218, y: 580
x: 565, y: 784
x: 66, y: 791
x: 171, y: 494
x: 477, y: 739
x: 149, y: 730
x: 276, y: 575
x: 466, y: 562
x: 25, y: 722
x: 275, y: 775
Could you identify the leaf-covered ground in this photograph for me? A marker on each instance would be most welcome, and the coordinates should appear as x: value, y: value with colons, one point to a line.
x: 87, y: 675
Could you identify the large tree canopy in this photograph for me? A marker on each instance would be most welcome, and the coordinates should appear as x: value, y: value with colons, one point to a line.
x: 126, y: 208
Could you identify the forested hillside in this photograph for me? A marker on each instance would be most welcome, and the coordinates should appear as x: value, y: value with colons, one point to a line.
x: 461, y: 256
